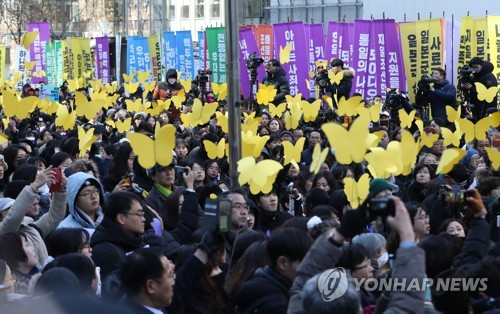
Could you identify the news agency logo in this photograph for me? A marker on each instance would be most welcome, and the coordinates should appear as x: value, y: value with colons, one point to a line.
x: 333, y: 284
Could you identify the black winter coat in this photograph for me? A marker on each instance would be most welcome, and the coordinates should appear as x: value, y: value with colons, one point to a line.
x: 278, y: 79
x: 488, y: 79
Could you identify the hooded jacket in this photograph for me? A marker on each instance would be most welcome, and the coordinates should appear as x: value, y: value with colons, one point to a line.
x: 445, y: 94
x: 343, y: 89
x: 165, y: 90
x: 77, y: 218
x: 278, y: 79
x: 488, y: 79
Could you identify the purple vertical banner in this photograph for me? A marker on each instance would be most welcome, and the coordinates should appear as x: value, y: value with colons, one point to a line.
x: 310, y: 58
x: 248, y: 46
x: 332, y: 41
x: 371, y: 76
x: 316, y: 51
x: 345, y: 43
x: 396, y: 77
x: 361, y: 54
x: 37, y: 49
x: 102, y: 59
x: 296, y: 69
x: 380, y: 47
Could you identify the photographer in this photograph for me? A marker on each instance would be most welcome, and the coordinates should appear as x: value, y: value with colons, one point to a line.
x: 482, y: 74
x: 276, y: 76
x: 343, y: 89
x: 166, y: 90
x: 440, y: 95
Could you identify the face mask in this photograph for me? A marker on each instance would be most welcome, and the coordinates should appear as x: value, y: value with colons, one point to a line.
x: 382, y: 259
x: 171, y: 81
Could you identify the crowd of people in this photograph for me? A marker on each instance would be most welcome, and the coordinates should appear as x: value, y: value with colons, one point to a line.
x: 101, y: 233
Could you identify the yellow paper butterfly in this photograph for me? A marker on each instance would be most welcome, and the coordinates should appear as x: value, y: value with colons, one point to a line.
x: 45, y: 105
x: 252, y: 144
x: 186, y: 84
x: 285, y: 53
x: 384, y: 162
x: 156, y: 108
x: 143, y: 76
x: 335, y: 78
x: 73, y: 85
x: 372, y: 113
x: 85, y: 140
x: 452, y: 114
x: 64, y: 76
x: 96, y: 85
x: 409, y: 151
x: 494, y: 156
x: 495, y: 119
x: 266, y: 94
x: 131, y: 88
x: 425, y: 140
x: 220, y: 90
x: 293, y: 116
x: 293, y: 153
x: 28, y: 66
x: 449, y: 159
x: 406, y: 118
x: 318, y: 158
x: 251, y: 124
x: 111, y: 88
x: 179, y: 99
x: 451, y: 138
x: 201, y: 114
x: 87, y: 108
x: 349, y: 107
x: 343, y: 141
x: 215, y: 150
x: 222, y: 121
x: 311, y: 110
x: 328, y: 100
x: 260, y: 176
x: 158, y: 151
x: 485, y: 94
x: 124, y: 126
x: 148, y: 87
x: 277, y: 111
x: 64, y: 118
x: 110, y: 122
x: 129, y: 78
x: 477, y: 130
x: 21, y: 109
x: 28, y: 39
x: 357, y: 192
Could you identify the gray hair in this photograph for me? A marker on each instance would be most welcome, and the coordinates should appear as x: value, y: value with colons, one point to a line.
x: 372, y: 242
x: 313, y: 303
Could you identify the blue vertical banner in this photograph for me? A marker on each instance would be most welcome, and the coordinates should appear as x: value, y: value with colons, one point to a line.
x: 169, y: 50
x: 185, y: 59
x: 131, y: 58
x: 142, y: 55
x: 202, y: 50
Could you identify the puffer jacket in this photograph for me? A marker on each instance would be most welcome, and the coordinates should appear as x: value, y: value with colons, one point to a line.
x: 488, y: 79
x: 278, y: 79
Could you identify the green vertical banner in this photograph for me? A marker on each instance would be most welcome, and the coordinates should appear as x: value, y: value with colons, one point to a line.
x: 59, y: 62
x: 50, y: 63
x: 216, y: 41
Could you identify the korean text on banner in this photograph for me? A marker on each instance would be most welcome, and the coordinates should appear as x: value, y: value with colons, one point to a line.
x: 408, y: 33
x: 380, y: 44
x: 265, y: 41
x: 494, y: 38
x: 102, y: 59
x: 465, y: 48
x: 216, y: 41
x: 21, y: 56
x: 346, y: 43
x: 480, y: 38
x: 248, y: 46
x: 423, y: 45
x: 296, y: 70
x: 361, y: 55
x: 142, y: 55
x: 332, y: 41
x: 75, y: 57
x: 67, y: 60
x: 169, y: 50
x: 200, y: 65
x: 316, y: 51
x: 185, y: 58
x: 86, y: 60
x: 395, y: 75
x: 436, y: 36
x: 2, y: 62
x: 58, y: 62
x: 37, y: 49
x: 50, y: 69
x: 154, y: 54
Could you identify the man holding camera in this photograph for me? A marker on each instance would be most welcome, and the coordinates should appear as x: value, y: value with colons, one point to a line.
x: 482, y: 74
x: 440, y: 95
x: 276, y: 76
x: 343, y: 89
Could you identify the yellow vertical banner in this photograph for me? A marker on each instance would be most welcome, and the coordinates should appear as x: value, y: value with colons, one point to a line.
x: 494, y: 39
x: 423, y: 45
x: 409, y: 45
x: 480, y: 38
x: 86, y: 60
x: 155, y: 57
x: 436, y: 40
x: 465, y: 46
x: 66, y: 59
x: 3, y: 50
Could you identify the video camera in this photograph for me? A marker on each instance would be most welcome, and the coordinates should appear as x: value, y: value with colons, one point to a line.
x: 202, y: 77
x: 321, y: 77
x: 465, y: 74
x: 394, y: 99
x: 254, y: 62
x: 425, y: 83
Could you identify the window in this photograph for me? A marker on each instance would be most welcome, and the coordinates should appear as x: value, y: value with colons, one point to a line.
x: 200, y: 9
x: 215, y: 8
x: 185, y: 12
x: 171, y: 11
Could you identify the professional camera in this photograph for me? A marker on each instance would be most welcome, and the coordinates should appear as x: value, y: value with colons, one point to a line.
x: 204, y: 72
x: 202, y: 77
x: 425, y: 83
x: 382, y: 207
x: 465, y: 75
x: 254, y: 62
x: 321, y: 77
x: 394, y: 99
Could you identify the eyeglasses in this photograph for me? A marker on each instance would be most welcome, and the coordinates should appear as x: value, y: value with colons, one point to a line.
x: 88, y: 194
x: 140, y: 214
x: 426, y: 217
x: 240, y: 206
x: 197, y: 170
